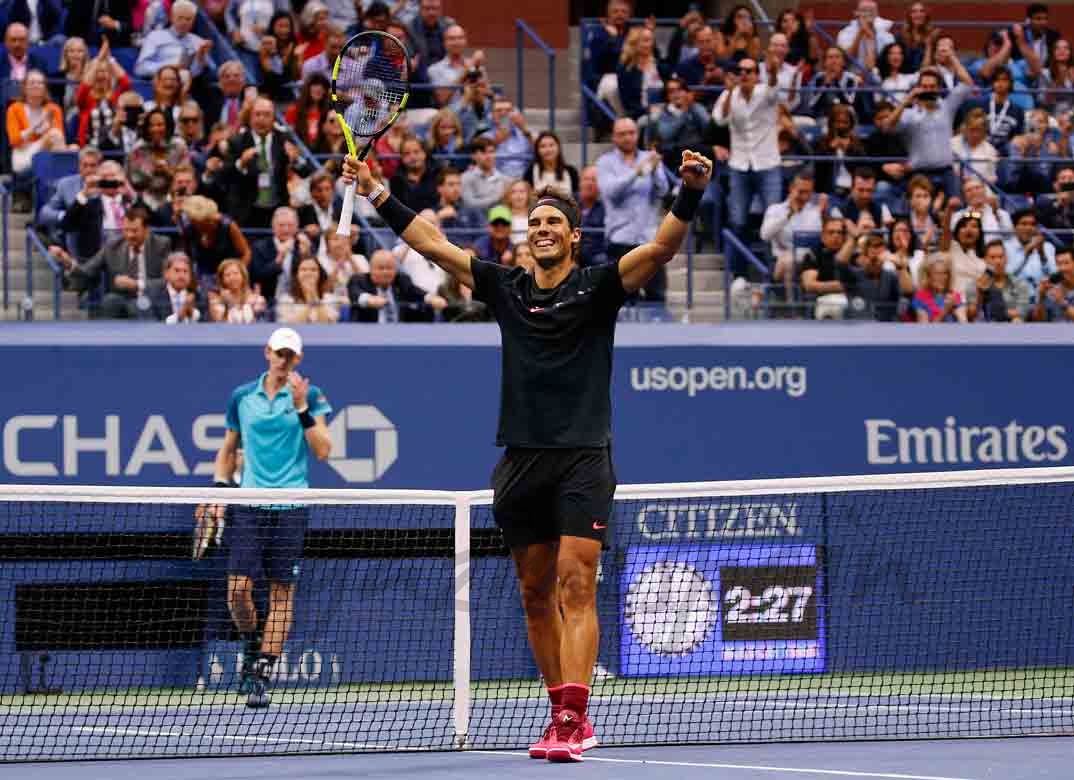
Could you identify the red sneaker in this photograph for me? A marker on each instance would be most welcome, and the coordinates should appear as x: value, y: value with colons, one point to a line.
x: 539, y: 749
x: 573, y: 735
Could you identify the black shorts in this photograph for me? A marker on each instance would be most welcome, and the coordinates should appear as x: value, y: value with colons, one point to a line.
x: 269, y: 541
x: 540, y: 495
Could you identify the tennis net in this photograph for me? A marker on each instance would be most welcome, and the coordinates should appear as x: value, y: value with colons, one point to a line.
x: 909, y: 606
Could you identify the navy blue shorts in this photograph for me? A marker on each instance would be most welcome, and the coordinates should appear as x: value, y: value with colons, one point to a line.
x: 540, y: 495
x: 267, y: 541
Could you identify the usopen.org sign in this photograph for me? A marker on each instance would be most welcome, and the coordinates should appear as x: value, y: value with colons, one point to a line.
x: 55, y: 446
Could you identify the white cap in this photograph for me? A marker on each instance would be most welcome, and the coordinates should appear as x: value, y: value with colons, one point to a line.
x: 285, y: 338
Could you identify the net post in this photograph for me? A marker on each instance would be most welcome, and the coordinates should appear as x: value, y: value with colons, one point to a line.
x: 462, y: 622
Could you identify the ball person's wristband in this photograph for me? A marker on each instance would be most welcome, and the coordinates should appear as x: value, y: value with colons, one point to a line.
x: 306, y: 419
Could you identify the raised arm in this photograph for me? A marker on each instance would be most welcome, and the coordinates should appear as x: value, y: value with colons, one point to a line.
x: 639, y: 265
x: 418, y: 233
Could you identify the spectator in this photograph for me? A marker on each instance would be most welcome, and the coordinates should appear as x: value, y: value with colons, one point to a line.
x: 549, y: 169
x: 330, y: 138
x: 834, y: 84
x: 1034, y: 38
x: 632, y: 184
x: 997, y: 296
x: 377, y: 16
x: 122, y: 135
x: 278, y: 57
x: 738, y: 38
x: 273, y: 258
x: 891, y: 176
x: 98, y: 210
x: 971, y: 145
x: 1056, y: 82
x: 389, y: 146
x: 422, y: 272
x: 103, y: 83
x: 461, y: 306
x: 312, y: 105
x: 803, y: 46
x: 1005, y: 118
x: 311, y: 298
x: 176, y: 45
x: 819, y: 275
x: 248, y: 22
x: 450, y: 212
x: 703, y: 68
x: 519, y: 199
x: 1055, y: 294
x: 261, y: 162
x: 176, y: 298
x: 99, y: 21
x: 520, y: 255
x: 67, y: 190
x: 415, y: 183
x: 1028, y: 168
x: 638, y: 75
x: 474, y: 107
x: 491, y: 246
x: 419, y: 72
x: 996, y: 54
x: 126, y: 263
x: 995, y: 222
x: 926, y: 230
x: 841, y: 142
x: 514, y: 147
x: 797, y: 214
x: 74, y: 59
x: 34, y: 124
x: 681, y: 125
x: 445, y: 133
x: 917, y: 37
x: 184, y: 184
x: 965, y: 246
x: 591, y: 211
x: 936, y: 299
x: 604, y: 43
x: 483, y: 184
x: 454, y: 66
x: 891, y: 71
x: 233, y: 301
x: 156, y: 154
x: 321, y: 64
x: 313, y: 28
x: 902, y: 251
x: 340, y: 261
x: 427, y: 31
x: 866, y: 36
x: 209, y: 237
x: 192, y: 132
x: 1056, y: 212
x: 788, y: 77
x: 226, y: 103
x: 384, y: 295
x: 1030, y: 258
x: 872, y: 290
x: 928, y: 126
x: 168, y: 94
x: 318, y: 216
x: 17, y: 60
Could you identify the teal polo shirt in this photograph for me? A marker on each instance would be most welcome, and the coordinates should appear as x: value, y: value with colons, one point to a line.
x: 273, y: 440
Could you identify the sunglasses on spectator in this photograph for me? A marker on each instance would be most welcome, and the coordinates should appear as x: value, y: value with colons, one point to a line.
x: 744, y: 71
x: 190, y: 119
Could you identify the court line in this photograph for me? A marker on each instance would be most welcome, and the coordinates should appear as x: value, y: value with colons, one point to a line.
x: 751, y: 767
x: 122, y: 732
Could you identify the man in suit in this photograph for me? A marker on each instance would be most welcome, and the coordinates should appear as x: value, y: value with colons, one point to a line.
x: 273, y: 258
x: 172, y: 298
x: 63, y: 197
x: 261, y: 160
x: 127, y: 265
x: 97, y: 213
x: 96, y: 20
x: 184, y: 183
x: 16, y: 59
x: 224, y: 103
x: 386, y: 295
x: 316, y: 218
x: 43, y: 19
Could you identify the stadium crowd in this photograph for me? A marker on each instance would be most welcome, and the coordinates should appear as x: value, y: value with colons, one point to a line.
x: 935, y: 187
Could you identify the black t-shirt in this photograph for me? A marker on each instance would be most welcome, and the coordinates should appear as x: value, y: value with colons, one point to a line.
x: 557, y: 353
x: 821, y: 260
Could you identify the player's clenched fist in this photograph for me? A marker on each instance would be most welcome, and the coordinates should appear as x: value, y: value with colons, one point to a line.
x: 354, y: 170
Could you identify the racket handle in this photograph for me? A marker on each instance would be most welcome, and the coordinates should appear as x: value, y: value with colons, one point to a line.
x: 345, y: 214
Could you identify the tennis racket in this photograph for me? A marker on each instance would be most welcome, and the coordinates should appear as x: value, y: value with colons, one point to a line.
x: 370, y: 87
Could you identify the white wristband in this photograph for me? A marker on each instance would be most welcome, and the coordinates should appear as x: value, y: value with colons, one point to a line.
x: 372, y: 197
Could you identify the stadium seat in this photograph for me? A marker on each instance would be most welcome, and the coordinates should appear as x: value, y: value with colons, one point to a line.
x: 48, y: 168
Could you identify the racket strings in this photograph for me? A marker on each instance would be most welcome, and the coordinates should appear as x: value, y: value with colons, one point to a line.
x: 371, y: 87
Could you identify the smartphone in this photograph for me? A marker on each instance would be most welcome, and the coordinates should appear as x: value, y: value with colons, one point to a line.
x: 1056, y: 278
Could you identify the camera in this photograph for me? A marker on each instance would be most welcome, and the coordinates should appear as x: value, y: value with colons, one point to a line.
x: 929, y: 95
x: 1067, y: 186
x: 472, y: 75
x: 1056, y: 278
x: 108, y: 184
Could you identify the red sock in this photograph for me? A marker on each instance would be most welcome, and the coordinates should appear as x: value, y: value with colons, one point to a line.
x: 555, y: 696
x: 575, y: 697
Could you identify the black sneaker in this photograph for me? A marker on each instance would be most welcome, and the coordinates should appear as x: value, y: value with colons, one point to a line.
x: 258, y: 697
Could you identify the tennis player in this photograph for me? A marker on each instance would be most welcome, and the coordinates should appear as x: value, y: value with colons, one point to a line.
x: 278, y: 419
x: 554, y: 485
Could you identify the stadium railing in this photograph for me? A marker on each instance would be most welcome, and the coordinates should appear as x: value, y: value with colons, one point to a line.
x: 34, y: 245
x: 522, y: 32
x: 733, y: 246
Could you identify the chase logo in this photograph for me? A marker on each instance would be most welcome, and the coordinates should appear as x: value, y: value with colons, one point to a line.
x: 385, y: 443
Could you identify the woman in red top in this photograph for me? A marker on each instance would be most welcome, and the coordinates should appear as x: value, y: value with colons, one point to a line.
x: 312, y: 105
x: 102, y: 84
x: 313, y: 28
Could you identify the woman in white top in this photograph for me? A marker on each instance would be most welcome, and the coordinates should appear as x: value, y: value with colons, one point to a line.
x: 972, y: 144
x: 549, y: 169
x: 310, y: 298
x: 890, y: 71
x: 340, y: 261
x: 234, y: 301
x: 965, y: 247
x: 902, y: 249
x: 519, y: 198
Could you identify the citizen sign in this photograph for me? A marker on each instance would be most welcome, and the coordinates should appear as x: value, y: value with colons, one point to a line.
x: 660, y: 522
x: 60, y: 445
